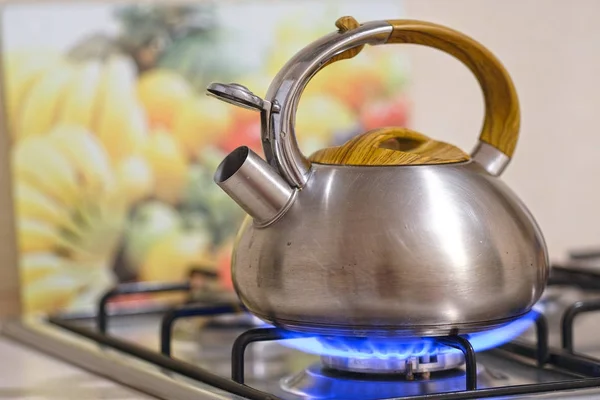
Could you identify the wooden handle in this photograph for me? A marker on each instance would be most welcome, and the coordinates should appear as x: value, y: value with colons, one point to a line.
x: 390, y: 146
x: 502, y: 116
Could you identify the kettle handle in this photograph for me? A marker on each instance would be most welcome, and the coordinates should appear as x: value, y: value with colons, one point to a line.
x: 500, y: 130
x: 502, y: 116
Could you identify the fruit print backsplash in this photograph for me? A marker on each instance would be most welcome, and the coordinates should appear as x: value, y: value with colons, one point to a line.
x: 114, y: 142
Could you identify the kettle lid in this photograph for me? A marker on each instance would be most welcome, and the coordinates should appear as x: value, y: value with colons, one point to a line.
x: 390, y: 146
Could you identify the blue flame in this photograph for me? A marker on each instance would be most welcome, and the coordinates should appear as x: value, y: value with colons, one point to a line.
x: 401, y: 348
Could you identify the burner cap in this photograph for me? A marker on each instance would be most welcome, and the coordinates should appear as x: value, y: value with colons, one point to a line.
x: 392, y: 365
x: 318, y: 382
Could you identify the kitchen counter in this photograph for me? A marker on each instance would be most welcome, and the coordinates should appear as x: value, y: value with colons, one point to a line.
x: 28, y: 374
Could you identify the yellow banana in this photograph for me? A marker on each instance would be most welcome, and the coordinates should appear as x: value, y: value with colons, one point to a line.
x: 169, y: 165
x: 34, y: 266
x: 134, y: 178
x: 51, y: 294
x: 37, y: 162
x: 200, y: 121
x: 31, y: 203
x: 98, y: 245
x: 80, y: 95
x: 87, y: 155
x: 43, y: 102
x: 95, y: 226
x: 120, y: 123
x: 22, y: 70
x: 98, y: 281
x: 163, y: 92
x: 35, y: 236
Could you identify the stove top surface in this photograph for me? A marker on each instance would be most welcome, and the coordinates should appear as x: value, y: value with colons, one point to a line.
x: 291, y: 374
x: 286, y: 372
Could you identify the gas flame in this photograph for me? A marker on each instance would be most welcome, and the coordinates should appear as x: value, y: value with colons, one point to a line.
x: 400, y: 348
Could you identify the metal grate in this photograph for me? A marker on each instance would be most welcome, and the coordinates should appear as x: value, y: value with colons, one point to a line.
x: 545, y: 357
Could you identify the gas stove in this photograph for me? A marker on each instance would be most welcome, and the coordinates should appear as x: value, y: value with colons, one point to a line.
x: 209, y: 347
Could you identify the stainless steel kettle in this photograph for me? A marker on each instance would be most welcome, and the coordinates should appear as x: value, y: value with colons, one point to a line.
x: 392, y: 233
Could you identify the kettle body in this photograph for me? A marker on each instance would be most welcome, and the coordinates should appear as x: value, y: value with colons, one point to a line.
x: 358, y: 254
x: 366, y: 239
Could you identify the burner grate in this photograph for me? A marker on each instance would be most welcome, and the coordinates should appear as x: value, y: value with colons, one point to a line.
x: 540, y: 353
x: 177, y: 366
x: 127, y: 289
x: 268, y: 334
x: 582, y: 365
x: 568, y: 320
x: 572, y: 275
x: 187, y: 311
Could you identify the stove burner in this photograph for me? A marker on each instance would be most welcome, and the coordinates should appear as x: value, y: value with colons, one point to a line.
x: 317, y: 382
x: 422, y: 365
x: 385, y: 356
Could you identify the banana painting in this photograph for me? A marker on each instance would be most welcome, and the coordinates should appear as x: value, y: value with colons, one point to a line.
x: 114, y: 144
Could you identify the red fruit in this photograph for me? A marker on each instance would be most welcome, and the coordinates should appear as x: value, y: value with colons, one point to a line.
x: 131, y: 299
x: 243, y: 134
x: 224, y: 267
x: 355, y: 82
x: 243, y: 116
x: 385, y: 113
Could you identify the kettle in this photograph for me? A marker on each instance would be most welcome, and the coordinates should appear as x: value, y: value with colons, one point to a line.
x: 391, y: 233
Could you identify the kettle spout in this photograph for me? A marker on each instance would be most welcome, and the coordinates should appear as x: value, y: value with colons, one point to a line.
x: 254, y: 185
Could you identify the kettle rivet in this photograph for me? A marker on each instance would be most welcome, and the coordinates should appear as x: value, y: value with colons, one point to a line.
x: 275, y: 107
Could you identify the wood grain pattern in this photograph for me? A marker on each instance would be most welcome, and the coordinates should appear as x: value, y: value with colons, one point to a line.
x: 390, y: 146
x: 345, y: 24
x: 502, y: 117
